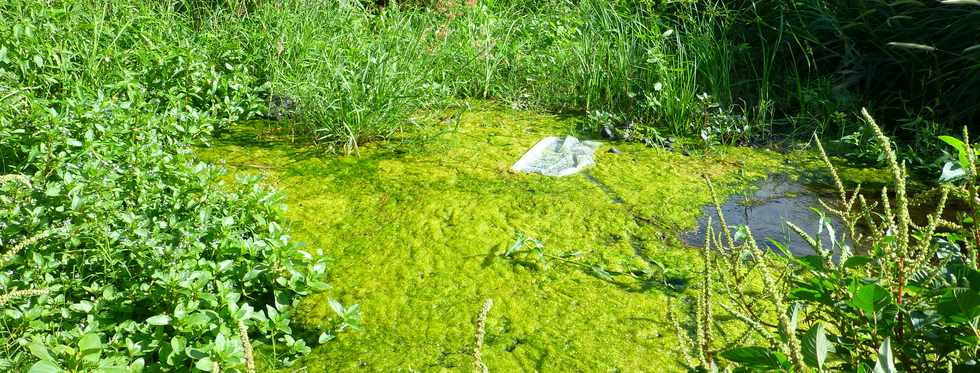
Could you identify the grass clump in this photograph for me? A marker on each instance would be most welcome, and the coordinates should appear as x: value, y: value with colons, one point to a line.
x: 359, y: 73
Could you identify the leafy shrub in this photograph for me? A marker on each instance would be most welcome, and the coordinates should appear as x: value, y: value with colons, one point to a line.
x: 118, y: 250
x: 904, y: 295
x: 137, y: 52
x: 144, y: 250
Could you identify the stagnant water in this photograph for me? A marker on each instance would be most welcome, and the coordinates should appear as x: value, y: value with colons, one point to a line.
x: 775, y: 201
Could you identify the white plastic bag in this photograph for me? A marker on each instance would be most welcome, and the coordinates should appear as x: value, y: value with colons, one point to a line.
x: 557, y: 156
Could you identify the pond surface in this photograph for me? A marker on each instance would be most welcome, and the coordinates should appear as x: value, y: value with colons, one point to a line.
x: 416, y: 237
x: 766, y: 210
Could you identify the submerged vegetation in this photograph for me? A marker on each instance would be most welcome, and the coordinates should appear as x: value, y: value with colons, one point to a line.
x: 126, y: 244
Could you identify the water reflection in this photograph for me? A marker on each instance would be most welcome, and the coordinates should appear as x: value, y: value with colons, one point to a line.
x: 766, y: 210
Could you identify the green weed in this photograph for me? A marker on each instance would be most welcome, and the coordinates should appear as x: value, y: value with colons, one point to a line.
x: 897, y: 294
x: 144, y: 258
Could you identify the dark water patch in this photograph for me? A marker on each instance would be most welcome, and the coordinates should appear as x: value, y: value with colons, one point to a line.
x: 767, y: 208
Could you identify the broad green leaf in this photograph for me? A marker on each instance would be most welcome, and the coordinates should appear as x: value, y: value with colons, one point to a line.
x: 336, y: 306
x: 158, y: 320
x: 253, y: 274
x: 886, y: 362
x: 53, y: 190
x: 90, y: 342
x: 815, y: 289
x: 219, y: 342
x: 83, y: 306
x: 857, y: 261
x: 195, y: 353
x: 960, y: 148
x: 959, y: 305
x: 177, y: 344
x: 816, y: 346
x: 871, y: 298
x: 756, y: 358
x: 197, y: 319
x: 44, y: 367
x: 204, y: 364
x: 318, y: 285
x: 39, y: 350
x: 954, y: 142
x: 91, y: 347
x: 13, y: 313
x: 137, y: 365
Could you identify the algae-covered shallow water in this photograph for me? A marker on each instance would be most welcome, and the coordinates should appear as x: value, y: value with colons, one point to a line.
x: 416, y: 238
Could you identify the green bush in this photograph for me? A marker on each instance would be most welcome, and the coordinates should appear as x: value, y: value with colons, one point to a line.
x: 142, y: 248
x: 119, y: 249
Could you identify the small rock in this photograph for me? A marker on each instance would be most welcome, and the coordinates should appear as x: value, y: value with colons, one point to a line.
x: 607, y: 131
x: 615, y: 151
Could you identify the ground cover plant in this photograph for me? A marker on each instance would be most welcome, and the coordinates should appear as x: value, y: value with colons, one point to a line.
x: 120, y: 251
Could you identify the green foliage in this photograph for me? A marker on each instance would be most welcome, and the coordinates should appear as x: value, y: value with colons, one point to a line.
x: 357, y: 75
x: 757, y: 358
x: 913, y: 61
x: 360, y: 73
x: 119, y: 250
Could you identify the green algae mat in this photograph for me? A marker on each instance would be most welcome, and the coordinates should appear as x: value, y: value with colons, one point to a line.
x: 417, y: 231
